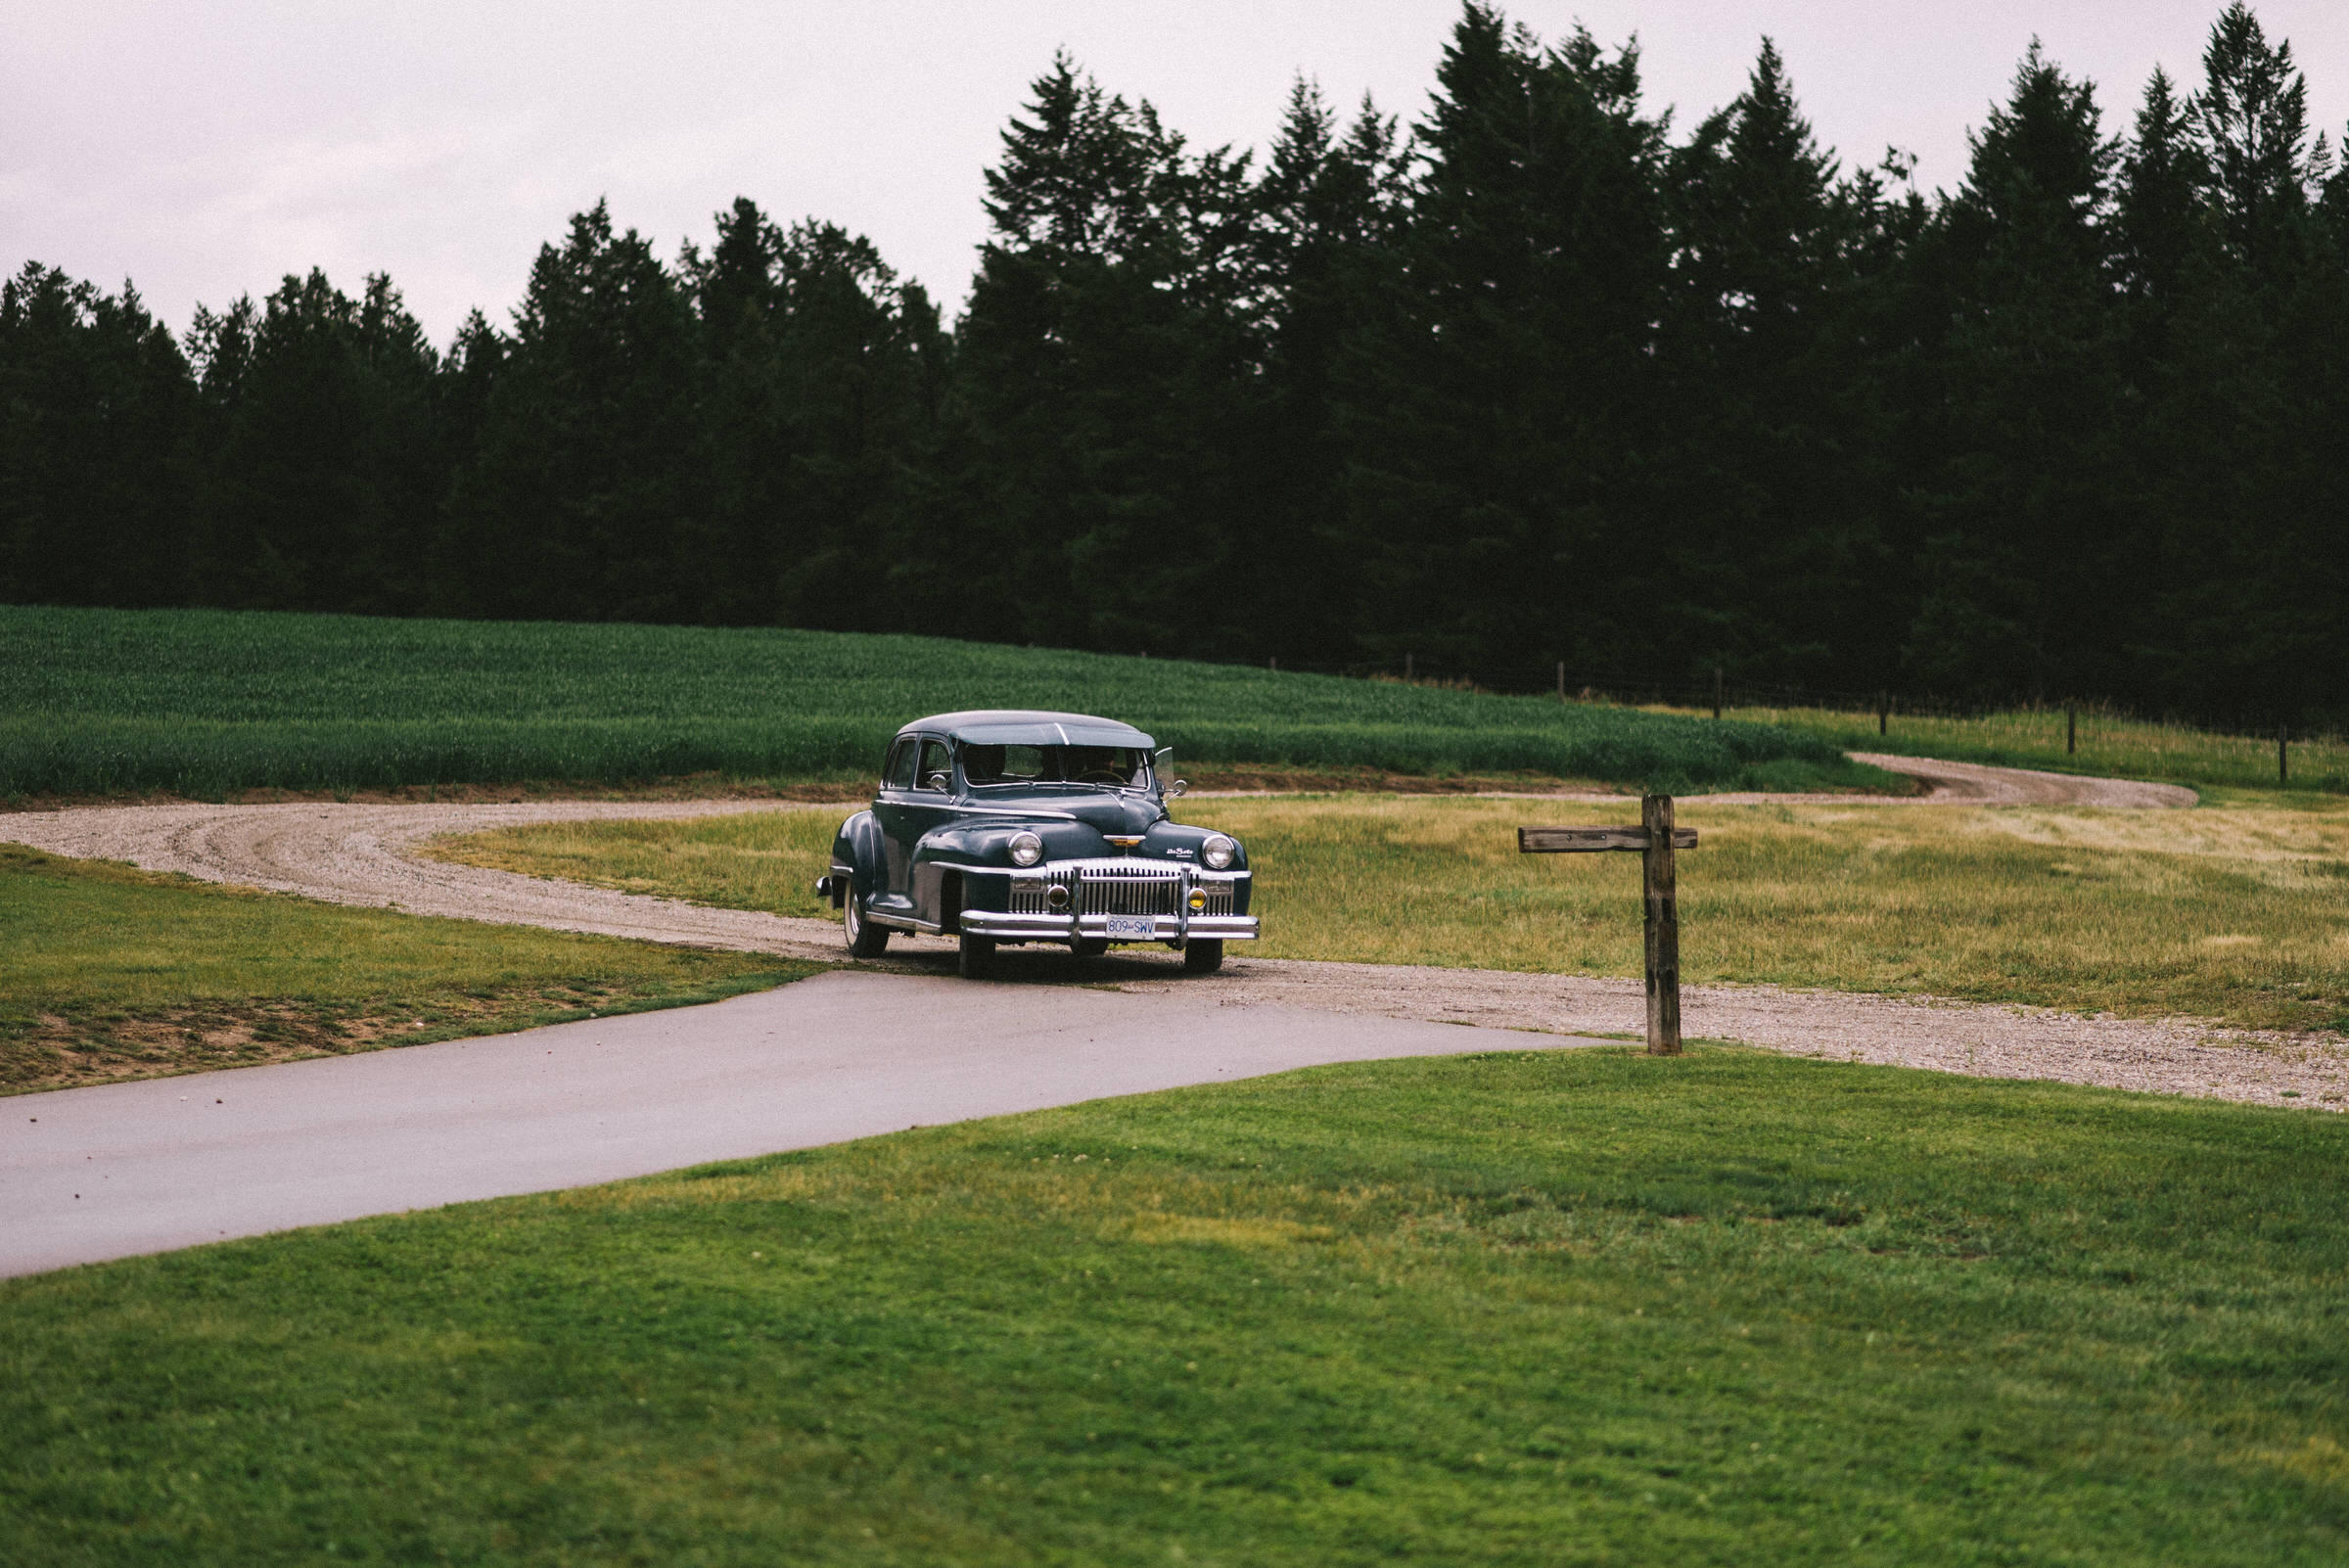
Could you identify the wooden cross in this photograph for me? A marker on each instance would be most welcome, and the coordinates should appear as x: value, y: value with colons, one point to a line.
x: 1655, y: 839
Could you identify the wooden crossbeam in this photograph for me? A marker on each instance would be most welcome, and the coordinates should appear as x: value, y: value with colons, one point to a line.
x: 1576, y: 839
x: 1656, y: 840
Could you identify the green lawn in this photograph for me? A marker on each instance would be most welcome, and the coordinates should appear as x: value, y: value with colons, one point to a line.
x: 201, y: 703
x: 2238, y: 910
x: 1558, y: 1308
x: 110, y: 972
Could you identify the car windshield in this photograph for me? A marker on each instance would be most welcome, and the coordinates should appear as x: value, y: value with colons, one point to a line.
x: 1125, y: 766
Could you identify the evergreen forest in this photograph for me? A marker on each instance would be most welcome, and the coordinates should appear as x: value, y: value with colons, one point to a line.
x: 1540, y: 377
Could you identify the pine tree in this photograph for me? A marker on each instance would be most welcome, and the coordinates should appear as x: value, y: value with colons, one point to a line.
x: 320, y: 479
x: 2026, y: 544
x: 96, y: 404
x: 2157, y: 209
x: 819, y: 401
x: 1106, y: 373
x: 852, y: 382
x: 587, y: 500
x: 2251, y: 408
x: 1330, y: 211
x: 2250, y: 123
x: 1504, y: 423
x: 1775, y: 498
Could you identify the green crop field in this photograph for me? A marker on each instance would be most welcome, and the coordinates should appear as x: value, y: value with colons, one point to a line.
x: 205, y: 702
x: 1573, y: 1306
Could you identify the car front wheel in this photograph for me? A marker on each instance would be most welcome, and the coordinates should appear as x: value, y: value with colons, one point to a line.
x: 975, y: 956
x: 1203, y: 955
x: 865, y: 940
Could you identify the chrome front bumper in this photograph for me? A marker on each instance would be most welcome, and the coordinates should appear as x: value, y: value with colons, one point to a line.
x: 1119, y: 898
x: 1066, y: 927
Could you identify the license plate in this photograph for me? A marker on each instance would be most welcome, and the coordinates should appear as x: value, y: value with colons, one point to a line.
x: 1133, y: 927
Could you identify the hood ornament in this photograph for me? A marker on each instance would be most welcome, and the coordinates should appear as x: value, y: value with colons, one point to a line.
x: 1123, y: 841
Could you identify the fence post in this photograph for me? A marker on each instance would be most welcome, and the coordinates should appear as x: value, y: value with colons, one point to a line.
x: 1663, y: 928
x: 2071, y: 729
x: 1406, y: 668
x: 1561, y: 680
x: 2284, y: 754
x: 1717, y: 691
x: 1884, y: 713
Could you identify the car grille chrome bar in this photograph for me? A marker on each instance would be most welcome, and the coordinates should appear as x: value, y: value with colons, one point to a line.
x: 1153, y: 893
x: 1117, y: 887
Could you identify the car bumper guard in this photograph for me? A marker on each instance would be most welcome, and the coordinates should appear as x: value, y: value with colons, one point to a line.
x: 1066, y: 927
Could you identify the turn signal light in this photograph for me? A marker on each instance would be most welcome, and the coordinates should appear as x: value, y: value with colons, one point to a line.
x: 1198, y: 900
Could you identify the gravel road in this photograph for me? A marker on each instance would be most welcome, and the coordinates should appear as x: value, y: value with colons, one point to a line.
x: 1972, y: 784
x: 366, y: 854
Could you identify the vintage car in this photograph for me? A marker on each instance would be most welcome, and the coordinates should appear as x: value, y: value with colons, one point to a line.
x: 1014, y: 826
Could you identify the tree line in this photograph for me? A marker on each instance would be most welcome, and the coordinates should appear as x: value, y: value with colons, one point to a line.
x: 1535, y: 378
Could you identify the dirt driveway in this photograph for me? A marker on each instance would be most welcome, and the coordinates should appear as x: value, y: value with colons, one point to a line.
x: 367, y: 854
x: 1973, y: 784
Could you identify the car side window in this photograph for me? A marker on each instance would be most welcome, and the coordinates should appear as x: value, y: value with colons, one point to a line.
x: 899, y: 774
x: 937, y: 772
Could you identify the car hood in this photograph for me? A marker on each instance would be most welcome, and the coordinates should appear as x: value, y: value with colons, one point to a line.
x: 1105, y: 813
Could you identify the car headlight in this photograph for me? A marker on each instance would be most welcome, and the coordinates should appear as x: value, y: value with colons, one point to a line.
x: 1026, y: 848
x: 1216, y: 851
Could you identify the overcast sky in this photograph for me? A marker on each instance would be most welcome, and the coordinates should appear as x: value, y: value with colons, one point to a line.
x: 205, y: 149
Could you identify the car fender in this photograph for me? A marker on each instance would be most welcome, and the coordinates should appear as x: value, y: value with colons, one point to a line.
x: 938, y: 856
x: 856, y: 853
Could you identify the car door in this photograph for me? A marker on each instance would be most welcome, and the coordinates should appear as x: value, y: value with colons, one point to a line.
x: 908, y: 810
x: 891, y: 806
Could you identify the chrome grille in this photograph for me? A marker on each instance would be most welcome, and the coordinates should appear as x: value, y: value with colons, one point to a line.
x: 1130, y: 890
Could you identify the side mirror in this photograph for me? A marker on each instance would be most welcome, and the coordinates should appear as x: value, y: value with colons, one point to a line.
x: 1181, y: 786
x: 938, y: 781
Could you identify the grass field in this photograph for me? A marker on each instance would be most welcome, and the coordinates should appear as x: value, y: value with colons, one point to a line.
x: 204, y: 702
x: 1566, y: 1308
x: 2108, y: 746
x: 108, y: 972
x: 2238, y: 910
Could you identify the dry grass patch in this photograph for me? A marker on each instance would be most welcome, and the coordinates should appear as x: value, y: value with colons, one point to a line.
x: 2236, y: 910
x: 108, y: 972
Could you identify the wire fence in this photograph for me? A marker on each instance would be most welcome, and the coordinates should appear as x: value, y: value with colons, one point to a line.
x: 1721, y: 692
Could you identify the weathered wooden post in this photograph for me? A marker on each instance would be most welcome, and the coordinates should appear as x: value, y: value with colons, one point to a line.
x: 1561, y: 680
x: 1717, y: 691
x: 1655, y: 838
x: 2284, y: 754
x: 2071, y: 729
x: 1663, y: 928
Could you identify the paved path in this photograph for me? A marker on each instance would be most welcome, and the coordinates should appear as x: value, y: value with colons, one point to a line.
x: 123, y: 1169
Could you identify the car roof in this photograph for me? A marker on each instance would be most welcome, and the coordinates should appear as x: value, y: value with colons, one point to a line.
x: 1030, y: 726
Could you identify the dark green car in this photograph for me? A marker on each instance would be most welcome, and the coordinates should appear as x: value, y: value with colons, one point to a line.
x: 1017, y: 827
